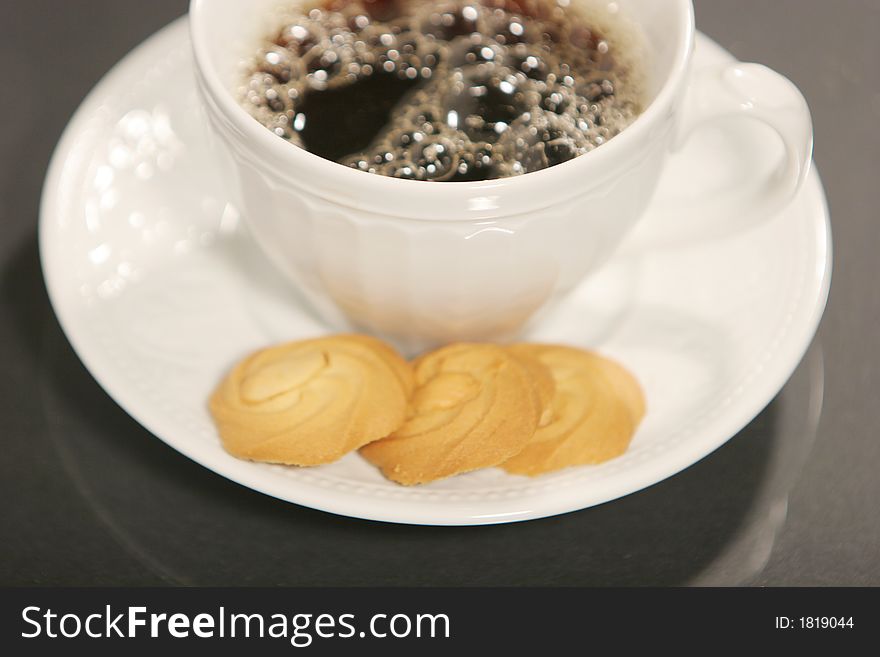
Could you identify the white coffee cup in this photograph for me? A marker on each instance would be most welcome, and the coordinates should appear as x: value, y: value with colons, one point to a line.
x: 425, y: 263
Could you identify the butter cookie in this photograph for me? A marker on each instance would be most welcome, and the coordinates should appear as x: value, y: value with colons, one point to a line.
x: 474, y: 406
x: 312, y: 401
x: 596, y: 408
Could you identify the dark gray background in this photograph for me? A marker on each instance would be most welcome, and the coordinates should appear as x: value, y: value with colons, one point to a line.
x: 89, y: 497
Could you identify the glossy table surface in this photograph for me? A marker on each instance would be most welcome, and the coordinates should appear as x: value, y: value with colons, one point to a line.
x: 90, y: 497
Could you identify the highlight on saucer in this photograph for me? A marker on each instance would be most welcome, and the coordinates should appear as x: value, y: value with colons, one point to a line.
x: 528, y: 408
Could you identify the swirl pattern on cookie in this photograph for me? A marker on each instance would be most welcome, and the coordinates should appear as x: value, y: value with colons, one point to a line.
x: 543, y: 384
x: 312, y: 401
x: 595, y: 410
x: 474, y: 406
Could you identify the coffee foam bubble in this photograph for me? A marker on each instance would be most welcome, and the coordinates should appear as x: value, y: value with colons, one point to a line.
x: 500, y: 88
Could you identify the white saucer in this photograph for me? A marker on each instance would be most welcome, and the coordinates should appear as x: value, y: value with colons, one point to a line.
x: 159, y: 290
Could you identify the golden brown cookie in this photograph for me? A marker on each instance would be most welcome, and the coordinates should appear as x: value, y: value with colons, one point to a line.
x: 474, y: 406
x: 595, y: 411
x: 312, y: 401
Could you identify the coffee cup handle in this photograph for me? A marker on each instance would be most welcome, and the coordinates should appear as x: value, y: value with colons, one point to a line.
x: 743, y: 91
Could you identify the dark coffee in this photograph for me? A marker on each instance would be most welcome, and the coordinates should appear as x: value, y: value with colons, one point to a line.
x: 451, y: 91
